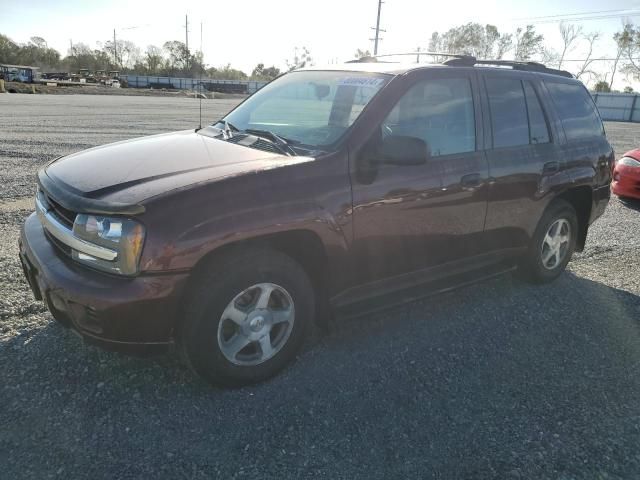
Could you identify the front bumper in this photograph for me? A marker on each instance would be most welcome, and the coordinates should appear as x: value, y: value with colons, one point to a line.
x: 134, y: 315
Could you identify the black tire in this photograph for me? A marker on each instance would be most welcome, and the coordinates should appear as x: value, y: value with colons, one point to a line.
x: 215, y: 287
x: 531, y: 267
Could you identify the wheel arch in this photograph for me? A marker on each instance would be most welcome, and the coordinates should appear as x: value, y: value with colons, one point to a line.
x: 581, y: 199
x: 304, y: 246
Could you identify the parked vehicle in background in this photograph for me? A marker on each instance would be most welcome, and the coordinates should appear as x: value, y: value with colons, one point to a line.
x: 626, y: 175
x: 20, y: 73
x: 328, y: 190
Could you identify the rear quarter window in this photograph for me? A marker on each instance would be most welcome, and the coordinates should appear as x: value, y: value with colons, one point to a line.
x: 576, y: 109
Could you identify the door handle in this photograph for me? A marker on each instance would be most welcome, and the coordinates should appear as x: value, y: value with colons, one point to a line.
x: 471, y: 181
x: 551, y: 167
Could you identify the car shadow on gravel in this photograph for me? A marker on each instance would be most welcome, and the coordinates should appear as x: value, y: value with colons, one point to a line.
x: 631, y: 203
x: 472, y: 306
x: 482, y: 382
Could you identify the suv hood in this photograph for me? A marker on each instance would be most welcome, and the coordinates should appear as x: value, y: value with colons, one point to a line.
x: 132, y: 171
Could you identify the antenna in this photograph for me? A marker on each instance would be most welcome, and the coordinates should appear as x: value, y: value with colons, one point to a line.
x: 200, y: 80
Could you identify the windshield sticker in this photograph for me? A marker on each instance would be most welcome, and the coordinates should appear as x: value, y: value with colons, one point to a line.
x: 361, y: 82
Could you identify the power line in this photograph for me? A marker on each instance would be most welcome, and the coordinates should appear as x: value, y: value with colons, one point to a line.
x: 576, y: 14
x: 587, y: 18
x: 599, y: 59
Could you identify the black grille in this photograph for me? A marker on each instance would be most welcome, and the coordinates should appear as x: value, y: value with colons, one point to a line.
x: 66, y: 217
x: 66, y: 249
x: 259, y: 143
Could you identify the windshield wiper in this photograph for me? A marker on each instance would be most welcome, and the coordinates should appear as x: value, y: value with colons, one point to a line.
x: 283, y: 143
x: 228, y: 128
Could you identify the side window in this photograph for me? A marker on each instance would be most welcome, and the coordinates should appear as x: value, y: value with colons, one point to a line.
x: 438, y: 111
x: 538, y: 129
x: 508, y: 112
x: 577, y: 111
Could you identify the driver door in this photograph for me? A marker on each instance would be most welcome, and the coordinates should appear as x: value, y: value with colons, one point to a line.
x: 414, y: 217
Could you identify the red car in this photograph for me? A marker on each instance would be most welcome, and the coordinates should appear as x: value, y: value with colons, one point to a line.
x: 626, y: 175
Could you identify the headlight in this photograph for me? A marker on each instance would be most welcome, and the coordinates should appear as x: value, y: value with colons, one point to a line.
x: 629, y: 162
x: 122, y: 235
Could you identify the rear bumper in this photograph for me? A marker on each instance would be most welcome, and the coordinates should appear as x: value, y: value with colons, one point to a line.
x: 132, y: 315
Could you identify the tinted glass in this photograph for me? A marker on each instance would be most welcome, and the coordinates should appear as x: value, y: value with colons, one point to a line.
x: 576, y: 109
x: 538, y: 130
x: 508, y: 112
x: 438, y: 111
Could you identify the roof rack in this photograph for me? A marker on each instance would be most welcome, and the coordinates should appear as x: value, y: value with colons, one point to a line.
x: 374, y: 58
x: 515, y: 65
x: 461, y: 60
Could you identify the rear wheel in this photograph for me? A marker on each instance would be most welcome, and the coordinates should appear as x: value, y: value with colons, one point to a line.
x: 552, y: 245
x: 246, y: 319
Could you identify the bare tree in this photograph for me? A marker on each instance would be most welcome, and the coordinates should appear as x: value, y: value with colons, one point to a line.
x: 616, y: 61
x: 301, y: 58
x: 549, y: 56
x: 528, y: 43
x: 585, y: 68
x: 569, y: 34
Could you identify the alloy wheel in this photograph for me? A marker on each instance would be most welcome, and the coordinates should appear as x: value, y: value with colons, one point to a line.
x: 256, y: 324
x: 555, y: 244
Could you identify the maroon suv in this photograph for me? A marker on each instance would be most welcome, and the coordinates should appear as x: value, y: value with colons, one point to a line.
x: 325, y: 190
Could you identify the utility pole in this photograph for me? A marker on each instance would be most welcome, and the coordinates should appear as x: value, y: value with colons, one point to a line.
x: 186, y: 35
x: 377, y: 29
x: 115, y: 49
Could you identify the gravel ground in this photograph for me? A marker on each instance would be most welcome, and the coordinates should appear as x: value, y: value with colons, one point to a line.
x: 497, y: 380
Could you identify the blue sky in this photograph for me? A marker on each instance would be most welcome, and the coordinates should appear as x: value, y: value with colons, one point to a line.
x: 252, y: 31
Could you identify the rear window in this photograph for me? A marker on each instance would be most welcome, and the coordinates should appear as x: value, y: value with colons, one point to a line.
x: 508, y: 112
x: 577, y: 111
x: 539, y: 132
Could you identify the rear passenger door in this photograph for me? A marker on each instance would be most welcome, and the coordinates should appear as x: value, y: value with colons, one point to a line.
x: 522, y: 156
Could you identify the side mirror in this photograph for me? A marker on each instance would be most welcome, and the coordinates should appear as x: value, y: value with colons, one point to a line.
x: 403, y: 150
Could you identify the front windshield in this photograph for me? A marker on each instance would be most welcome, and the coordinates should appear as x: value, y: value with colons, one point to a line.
x: 312, y: 108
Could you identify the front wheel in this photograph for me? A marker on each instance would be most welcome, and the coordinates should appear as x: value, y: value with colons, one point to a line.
x: 247, y: 317
x: 552, y: 245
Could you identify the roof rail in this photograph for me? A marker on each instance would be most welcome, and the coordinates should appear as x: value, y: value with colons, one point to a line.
x: 461, y: 60
x: 431, y: 54
x: 515, y: 65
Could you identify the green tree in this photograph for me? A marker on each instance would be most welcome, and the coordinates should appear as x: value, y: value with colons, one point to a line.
x: 628, y: 89
x: 628, y: 43
x: 528, y: 43
x: 264, y: 73
x: 153, y: 59
x: 177, y: 56
x: 472, y: 39
x: 602, y: 87
x: 362, y: 53
x: 9, y: 50
x: 226, y: 73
